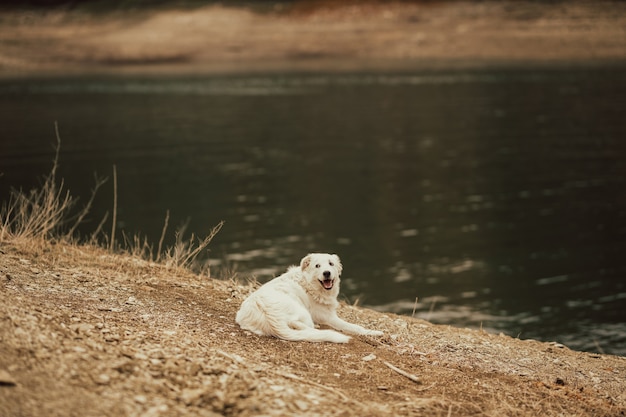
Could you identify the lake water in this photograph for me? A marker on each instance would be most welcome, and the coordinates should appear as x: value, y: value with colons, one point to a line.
x: 495, y: 197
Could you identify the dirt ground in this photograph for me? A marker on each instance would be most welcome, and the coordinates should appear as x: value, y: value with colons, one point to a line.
x: 84, y: 332
x: 309, y: 36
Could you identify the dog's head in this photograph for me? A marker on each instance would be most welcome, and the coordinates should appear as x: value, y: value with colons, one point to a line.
x: 322, y: 267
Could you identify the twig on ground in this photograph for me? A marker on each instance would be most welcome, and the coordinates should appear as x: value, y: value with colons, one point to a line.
x: 425, y: 388
x: 235, y: 358
x: 403, y: 373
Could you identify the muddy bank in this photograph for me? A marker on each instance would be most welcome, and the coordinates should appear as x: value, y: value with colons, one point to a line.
x: 311, y: 36
x: 84, y: 332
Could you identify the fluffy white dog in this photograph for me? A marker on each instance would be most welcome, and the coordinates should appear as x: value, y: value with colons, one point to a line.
x: 288, y: 306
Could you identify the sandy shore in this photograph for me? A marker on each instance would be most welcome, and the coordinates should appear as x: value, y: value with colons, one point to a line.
x: 311, y: 36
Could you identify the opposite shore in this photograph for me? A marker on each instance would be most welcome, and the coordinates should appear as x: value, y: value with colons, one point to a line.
x: 309, y: 36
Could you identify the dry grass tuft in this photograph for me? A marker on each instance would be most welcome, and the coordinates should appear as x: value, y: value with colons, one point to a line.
x: 184, y: 252
x: 49, y: 213
x: 45, y: 212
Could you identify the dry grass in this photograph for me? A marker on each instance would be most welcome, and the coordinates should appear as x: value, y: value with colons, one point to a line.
x: 50, y: 212
x: 184, y: 252
x: 45, y: 212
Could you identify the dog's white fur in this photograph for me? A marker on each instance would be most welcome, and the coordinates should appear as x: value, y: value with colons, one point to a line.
x: 289, y: 306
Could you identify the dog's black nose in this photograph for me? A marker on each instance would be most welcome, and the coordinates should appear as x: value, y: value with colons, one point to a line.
x: 326, y: 274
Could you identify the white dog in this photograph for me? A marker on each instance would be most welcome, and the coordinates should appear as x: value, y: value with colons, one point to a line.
x: 289, y: 306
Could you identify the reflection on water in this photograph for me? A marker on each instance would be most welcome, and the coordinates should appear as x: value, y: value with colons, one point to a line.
x: 496, y: 198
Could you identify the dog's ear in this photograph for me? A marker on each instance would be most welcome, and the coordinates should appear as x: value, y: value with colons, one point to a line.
x: 338, y: 263
x: 305, y: 262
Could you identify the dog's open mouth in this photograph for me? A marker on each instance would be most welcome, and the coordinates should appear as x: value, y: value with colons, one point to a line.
x: 328, y: 283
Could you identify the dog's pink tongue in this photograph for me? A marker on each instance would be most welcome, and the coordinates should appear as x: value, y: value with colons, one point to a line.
x: 327, y: 283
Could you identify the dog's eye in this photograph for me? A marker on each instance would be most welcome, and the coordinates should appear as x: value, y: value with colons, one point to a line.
x: 331, y: 264
x: 317, y: 265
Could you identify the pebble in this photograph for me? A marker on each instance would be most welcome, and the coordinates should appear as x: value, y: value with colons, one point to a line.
x: 81, y: 327
x: 156, y: 410
x: 103, y: 379
x: 190, y: 395
x: 141, y: 399
x: 6, y: 379
x: 369, y: 357
x: 302, y: 406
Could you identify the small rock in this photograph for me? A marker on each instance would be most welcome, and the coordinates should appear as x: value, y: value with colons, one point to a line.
x: 369, y: 357
x: 81, y: 327
x: 157, y: 410
x: 6, y: 379
x: 302, y: 406
x: 192, y: 396
x: 141, y: 399
x: 103, y: 379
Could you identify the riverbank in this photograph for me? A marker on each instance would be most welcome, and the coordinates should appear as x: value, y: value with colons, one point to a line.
x: 92, y: 333
x: 309, y: 36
